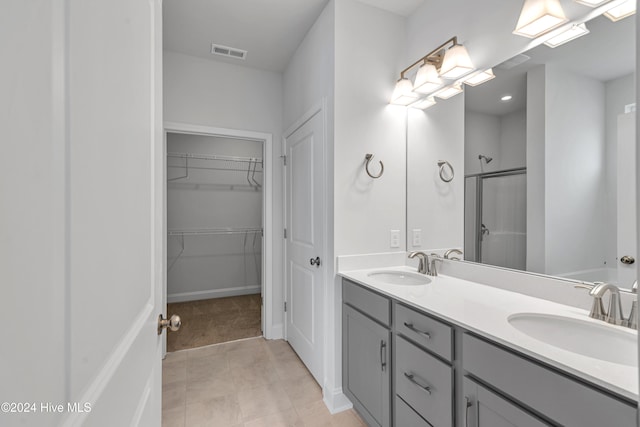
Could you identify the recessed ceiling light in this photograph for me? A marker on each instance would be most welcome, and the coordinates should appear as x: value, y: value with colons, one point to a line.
x: 506, y: 98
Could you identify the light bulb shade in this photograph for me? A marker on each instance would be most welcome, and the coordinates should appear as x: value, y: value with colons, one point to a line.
x: 538, y: 17
x: 592, y: 3
x: 479, y: 78
x: 427, y: 79
x: 449, y: 91
x: 424, y: 103
x: 403, y: 93
x: 621, y: 11
x: 456, y: 62
x: 572, y: 33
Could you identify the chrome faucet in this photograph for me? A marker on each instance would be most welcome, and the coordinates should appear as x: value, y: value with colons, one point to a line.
x: 632, y: 321
x: 423, y: 264
x: 432, y: 266
x: 614, y: 314
x: 447, y: 254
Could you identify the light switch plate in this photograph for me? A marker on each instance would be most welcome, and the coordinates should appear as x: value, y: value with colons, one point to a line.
x: 395, y: 239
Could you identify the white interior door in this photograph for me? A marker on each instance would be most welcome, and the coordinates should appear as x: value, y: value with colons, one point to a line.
x: 84, y: 288
x: 305, y: 242
x: 627, y: 199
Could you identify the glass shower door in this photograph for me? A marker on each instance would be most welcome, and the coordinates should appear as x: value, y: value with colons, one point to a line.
x: 502, y: 220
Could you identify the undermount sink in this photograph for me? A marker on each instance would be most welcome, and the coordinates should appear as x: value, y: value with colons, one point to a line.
x: 400, y: 278
x: 590, y: 339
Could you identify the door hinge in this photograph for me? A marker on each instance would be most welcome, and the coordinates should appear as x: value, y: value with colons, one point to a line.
x: 285, y: 233
x: 285, y: 306
x: 284, y: 160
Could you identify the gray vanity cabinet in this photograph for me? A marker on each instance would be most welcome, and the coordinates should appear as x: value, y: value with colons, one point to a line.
x: 483, y: 408
x: 366, y: 354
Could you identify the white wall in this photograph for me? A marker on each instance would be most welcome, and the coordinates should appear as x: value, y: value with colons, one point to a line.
x: 618, y: 93
x: 513, y: 140
x: 481, y: 136
x: 213, y: 265
x: 575, y: 189
x: 434, y: 206
x: 217, y: 94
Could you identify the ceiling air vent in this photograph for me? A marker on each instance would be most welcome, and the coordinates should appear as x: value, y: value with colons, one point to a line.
x: 227, y: 51
x: 514, y: 62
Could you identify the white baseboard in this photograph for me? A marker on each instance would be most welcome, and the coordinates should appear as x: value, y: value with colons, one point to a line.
x: 213, y: 293
x: 336, y: 401
x: 276, y: 333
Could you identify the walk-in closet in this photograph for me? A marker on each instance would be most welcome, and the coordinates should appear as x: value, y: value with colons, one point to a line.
x: 214, y: 238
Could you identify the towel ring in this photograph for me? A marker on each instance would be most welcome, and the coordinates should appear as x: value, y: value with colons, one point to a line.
x: 369, y: 157
x: 442, y: 164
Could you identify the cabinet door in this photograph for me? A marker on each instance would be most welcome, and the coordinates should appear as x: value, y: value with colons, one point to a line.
x: 486, y: 409
x: 366, y: 365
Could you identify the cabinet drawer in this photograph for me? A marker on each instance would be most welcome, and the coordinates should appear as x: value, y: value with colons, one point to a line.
x: 407, y: 417
x: 424, y: 330
x: 415, y: 371
x: 375, y: 306
x: 560, y: 398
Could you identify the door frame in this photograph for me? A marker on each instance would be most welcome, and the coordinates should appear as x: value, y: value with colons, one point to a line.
x: 319, y: 107
x: 267, y: 210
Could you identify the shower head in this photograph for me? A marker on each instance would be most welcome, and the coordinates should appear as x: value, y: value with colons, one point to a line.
x: 486, y: 159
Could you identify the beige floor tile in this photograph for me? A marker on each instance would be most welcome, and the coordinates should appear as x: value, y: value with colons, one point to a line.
x: 315, y: 414
x: 254, y: 376
x: 174, y: 371
x: 210, y: 366
x: 347, y: 419
x: 174, y: 395
x: 247, y: 357
x: 249, y: 344
x: 303, y: 391
x: 173, y: 417
x: 281, y: 419
x: 262, y: 401
x: 221, y: 411
x: 291, y: 369
x: 204, y: 388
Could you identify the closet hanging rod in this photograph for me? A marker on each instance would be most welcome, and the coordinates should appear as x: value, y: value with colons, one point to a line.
x: 213, y: 231
x: 215, y: 157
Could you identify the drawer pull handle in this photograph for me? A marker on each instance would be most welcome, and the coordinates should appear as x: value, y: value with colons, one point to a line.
x: 383, y: 357
x: 466, y: 411
x: 411, y: 378
x: 417, y: 331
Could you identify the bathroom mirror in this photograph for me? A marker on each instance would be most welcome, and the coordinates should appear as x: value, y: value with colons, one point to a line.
x: 544, y: 180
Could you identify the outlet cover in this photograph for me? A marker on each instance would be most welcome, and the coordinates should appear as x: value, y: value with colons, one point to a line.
x: 394, y: 239
x: 417, y: 237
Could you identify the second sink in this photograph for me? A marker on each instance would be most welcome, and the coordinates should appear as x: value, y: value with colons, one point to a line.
x: 590, y: 339
x: 399, y: 277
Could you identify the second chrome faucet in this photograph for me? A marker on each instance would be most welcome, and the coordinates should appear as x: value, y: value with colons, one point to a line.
x: 424, y: 265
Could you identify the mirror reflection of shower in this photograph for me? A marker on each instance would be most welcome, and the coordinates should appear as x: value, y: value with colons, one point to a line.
x: 486, y: 159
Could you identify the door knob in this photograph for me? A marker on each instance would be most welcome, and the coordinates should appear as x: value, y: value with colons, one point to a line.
x: 627, y: 260
x: 315, y: 261
x: 173, y: 323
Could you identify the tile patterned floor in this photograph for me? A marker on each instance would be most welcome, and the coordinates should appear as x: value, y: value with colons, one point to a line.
x: 247, y: 383
x: 213, y: 321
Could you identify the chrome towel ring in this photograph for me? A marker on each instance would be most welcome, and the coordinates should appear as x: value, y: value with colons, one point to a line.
x: 442, y: 164
x: 368, y: 158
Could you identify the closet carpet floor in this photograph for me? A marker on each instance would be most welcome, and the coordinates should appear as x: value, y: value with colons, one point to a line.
x: 214, y: 321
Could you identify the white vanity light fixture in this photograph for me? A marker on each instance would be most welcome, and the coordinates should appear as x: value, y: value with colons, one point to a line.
x: 427, y: 79
x: 621, y: 11
x: 539, y: 17
x: 576, y: 30
x: 449, y: 91
x: 450, y: 60
x: 592, y: 3
x: 403, y: 93
x: 456, y: 62
x: 424, y: 103
x: 479, y: 78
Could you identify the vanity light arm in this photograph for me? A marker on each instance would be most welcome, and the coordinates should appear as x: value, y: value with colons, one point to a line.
x: 453, y: 41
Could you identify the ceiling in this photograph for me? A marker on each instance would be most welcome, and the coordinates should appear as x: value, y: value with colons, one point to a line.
x: 269, y: 30
x: 606, y: 53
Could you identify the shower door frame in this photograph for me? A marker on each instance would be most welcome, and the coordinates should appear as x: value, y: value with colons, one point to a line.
x: 267, y: 292
x: 479, y: 200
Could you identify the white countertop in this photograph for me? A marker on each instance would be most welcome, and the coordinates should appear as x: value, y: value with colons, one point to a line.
x: 484, y: 310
